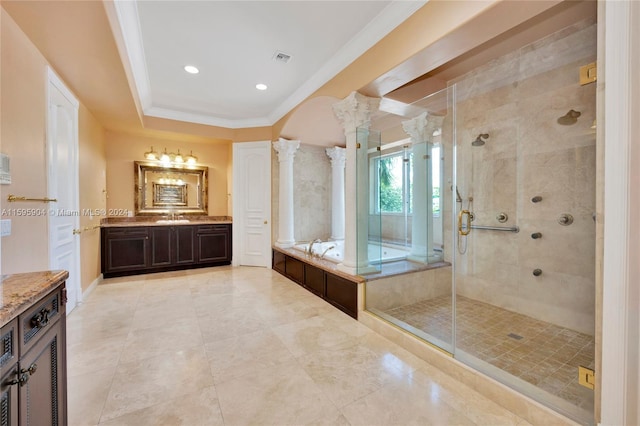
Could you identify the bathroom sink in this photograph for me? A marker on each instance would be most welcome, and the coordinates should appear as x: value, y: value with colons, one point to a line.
x: 173, y: 221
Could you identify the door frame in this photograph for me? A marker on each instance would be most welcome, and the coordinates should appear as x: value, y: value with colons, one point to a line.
x: 237, y: 202
x: 53, y: 80
x: 619, y: 292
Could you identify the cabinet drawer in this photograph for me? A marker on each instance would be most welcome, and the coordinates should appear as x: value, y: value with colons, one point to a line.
x: 126, y: 232
x: 9, y: 336
x: 203, y: 229
x: 39, y: 318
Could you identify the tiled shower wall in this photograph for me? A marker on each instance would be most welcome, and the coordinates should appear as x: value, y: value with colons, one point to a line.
x: 311, y: 193
x: 517, y: 100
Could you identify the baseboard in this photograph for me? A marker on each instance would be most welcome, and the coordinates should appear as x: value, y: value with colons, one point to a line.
x: 92, y: 287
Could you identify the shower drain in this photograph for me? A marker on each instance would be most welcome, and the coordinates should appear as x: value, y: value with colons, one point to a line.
x: 514, y: 336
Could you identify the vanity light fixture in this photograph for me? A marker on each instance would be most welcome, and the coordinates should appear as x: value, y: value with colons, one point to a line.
x: 261, y: 86
x: 151, y: 155
x: 191, y: 159
x: 191, y: 69
x: 167, y: 158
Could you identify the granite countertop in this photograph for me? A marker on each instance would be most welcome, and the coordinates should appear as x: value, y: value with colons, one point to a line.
x: 119, y: 222
x: 19, y: 291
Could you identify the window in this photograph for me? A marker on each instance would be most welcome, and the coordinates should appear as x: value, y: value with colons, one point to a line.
x: 392, y: 182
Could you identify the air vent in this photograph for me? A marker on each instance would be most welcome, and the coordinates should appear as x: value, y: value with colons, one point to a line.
x: 281, y: 57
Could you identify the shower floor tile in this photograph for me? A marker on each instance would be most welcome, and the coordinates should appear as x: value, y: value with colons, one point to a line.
x: 542, y: 354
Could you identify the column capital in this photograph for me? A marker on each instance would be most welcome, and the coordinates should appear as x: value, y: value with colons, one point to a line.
x: 421, y: 128
x: 286, y: 149
x: 355, y: 111
x: 338, y: 156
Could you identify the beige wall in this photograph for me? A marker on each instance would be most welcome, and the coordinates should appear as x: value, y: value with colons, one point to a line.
x: 93, y: 183
x: 23, y: 138
x: 123, y: 149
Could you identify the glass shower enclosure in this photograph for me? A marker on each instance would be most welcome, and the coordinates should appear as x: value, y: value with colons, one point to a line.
x: 487, y: 189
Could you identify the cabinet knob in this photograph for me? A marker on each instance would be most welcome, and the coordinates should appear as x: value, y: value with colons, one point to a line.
x: 23, y: 376
x: 265, y: 222
x: 41, y: 319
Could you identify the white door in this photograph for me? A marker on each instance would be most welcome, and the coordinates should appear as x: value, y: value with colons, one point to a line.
x: 62, y: 175
x: 252, y: 204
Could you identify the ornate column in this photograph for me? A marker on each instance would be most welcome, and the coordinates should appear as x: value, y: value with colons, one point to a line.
x: 421, y: 130
x: 338, y: 158
x: 354, y: 112
x: 286, y: 150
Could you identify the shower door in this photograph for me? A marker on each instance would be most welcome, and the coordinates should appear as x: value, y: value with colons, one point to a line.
x: 523, y: 203
x: 406, y: 197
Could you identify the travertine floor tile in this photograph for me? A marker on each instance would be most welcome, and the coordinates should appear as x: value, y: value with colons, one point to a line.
x: 241, y: 346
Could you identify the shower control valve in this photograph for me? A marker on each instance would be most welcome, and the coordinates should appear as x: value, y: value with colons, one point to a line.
x: 565, y: 219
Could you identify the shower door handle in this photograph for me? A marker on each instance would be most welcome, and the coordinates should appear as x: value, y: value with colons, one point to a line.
x: 467, y: 229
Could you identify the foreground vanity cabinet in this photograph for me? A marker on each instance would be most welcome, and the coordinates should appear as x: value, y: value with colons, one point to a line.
x: 340, y: 292
x: 33, y: 385
x: 128, y: 250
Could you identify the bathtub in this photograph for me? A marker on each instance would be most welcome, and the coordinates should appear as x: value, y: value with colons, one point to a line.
x: 335, y: 251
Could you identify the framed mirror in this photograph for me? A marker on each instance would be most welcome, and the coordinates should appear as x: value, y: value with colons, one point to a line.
x: 178, y: 189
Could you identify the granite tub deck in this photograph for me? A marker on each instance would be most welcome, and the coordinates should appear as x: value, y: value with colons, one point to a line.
x: 20, y: 291
x: 341, y: 289
x: 110, y: 222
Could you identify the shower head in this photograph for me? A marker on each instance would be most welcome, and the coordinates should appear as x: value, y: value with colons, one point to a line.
x: 569, y: 118
x: 480, y: 139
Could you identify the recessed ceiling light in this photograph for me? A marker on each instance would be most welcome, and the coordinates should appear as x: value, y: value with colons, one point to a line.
x: 261, y: 86
x: 191, y: 69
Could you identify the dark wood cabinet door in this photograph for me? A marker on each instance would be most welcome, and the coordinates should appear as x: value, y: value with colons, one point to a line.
x: 279, y: 261
x: 343, y: 294
x: 184, y: 245
x: 161, y: 245
x: 213, y: 247
x: 9, y: 396
x: 125, y: 249
x: 294, y: 269
x: 213, y: 243
x: 43, y: 395
x: 314, y: 279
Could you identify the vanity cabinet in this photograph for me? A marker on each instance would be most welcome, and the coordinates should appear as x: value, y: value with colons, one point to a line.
x: 34, y: 368
x: 340, y: 292
x: 131, y: 250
